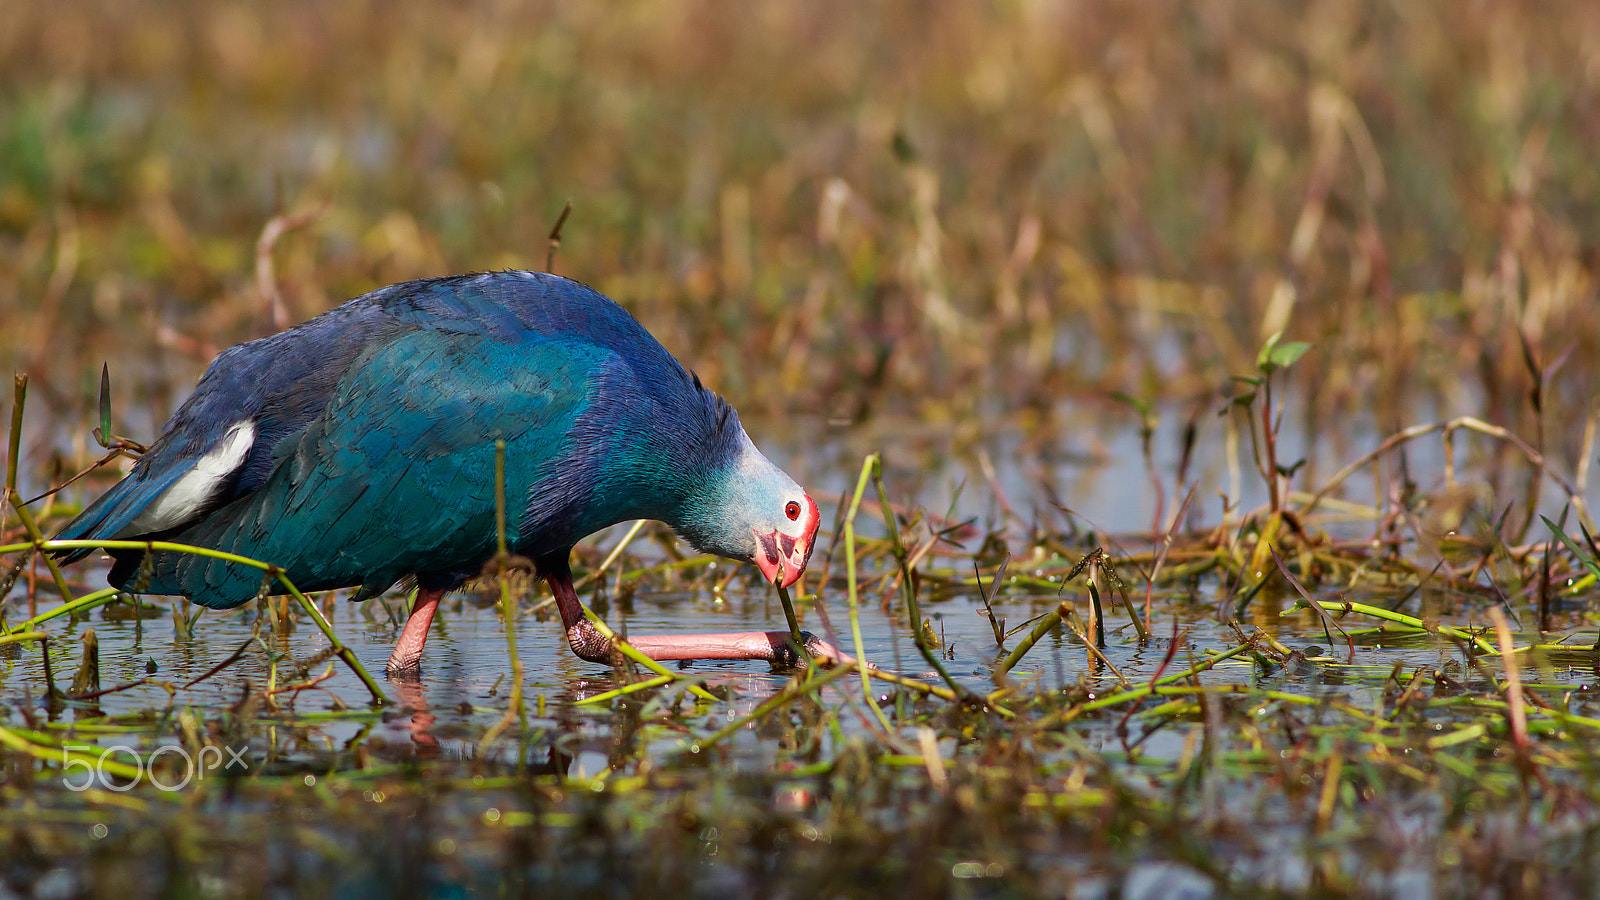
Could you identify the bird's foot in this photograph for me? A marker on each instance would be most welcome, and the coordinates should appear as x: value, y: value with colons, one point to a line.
x: 403, y: 671
x: 589, y: 644
x: 405, y: 663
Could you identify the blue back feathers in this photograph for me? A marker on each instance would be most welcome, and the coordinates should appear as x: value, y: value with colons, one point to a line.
x: 373, y: 430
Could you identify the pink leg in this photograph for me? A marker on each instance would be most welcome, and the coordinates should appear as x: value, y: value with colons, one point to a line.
x: 406, y: 660
x: 588, y: 643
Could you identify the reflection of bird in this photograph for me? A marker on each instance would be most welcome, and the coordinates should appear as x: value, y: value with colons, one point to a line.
x: 358, y: 448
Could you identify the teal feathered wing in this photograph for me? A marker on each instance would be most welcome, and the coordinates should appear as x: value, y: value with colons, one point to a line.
x: 397, y: 472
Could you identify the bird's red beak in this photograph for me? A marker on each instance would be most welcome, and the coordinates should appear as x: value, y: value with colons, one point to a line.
x: 782, y: 558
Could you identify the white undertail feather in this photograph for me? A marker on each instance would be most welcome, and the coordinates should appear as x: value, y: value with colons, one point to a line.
x: 189, y: 494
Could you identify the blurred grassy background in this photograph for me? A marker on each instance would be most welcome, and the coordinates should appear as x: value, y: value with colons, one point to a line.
x: 835, y: 210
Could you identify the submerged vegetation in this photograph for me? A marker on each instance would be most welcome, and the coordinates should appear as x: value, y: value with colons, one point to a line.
x: 1224, y: 374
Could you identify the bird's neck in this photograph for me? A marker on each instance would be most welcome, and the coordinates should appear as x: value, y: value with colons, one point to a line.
x: 716, y: 513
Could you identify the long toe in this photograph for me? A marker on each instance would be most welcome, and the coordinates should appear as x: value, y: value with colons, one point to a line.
x: 826, y: 653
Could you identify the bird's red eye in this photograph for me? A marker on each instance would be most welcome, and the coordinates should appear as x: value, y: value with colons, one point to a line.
x: 792, y: 510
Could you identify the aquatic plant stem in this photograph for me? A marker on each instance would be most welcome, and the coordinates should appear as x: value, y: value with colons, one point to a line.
x: 788, y: 613
x: 39, y: 539
x: 634, y: 688
x: 1042, y: 628
x: 344, y: 653
x: 1377, y: 612
x: 273, y: 572
x: 793, y: 689
x: 81, y: 604
x: 1517, y: 711
x: 18, y: 739
x: 1069, y: 617
x: 854, y: 594
x: 616, y: 552
x: 19, y: 398
x: 908, y: 590
x: 1056, y: 720
x: 13, y: 456
x: 516, y: 709
x: 797, y: 642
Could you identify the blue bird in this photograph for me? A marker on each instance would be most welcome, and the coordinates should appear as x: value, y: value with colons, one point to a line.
x: 357, y: 449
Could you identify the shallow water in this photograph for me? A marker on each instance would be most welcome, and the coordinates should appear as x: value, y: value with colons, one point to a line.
x: 467, y: 678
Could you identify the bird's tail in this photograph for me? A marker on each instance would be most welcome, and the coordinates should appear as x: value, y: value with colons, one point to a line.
x: 106, y: 517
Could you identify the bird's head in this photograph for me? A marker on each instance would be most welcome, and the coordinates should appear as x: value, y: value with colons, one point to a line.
x: 782, y: 552
x: 751, y: 510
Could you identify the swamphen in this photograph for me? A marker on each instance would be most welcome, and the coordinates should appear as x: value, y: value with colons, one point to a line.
x: 358, y: 448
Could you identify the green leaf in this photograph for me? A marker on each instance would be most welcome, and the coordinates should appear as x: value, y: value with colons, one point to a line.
x: 1285, y: 356
x: 1147, y: 414
x: 1273, y: 356
x: 1140, y: 406
x: 104, y: 434
x: 1587, y: 559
